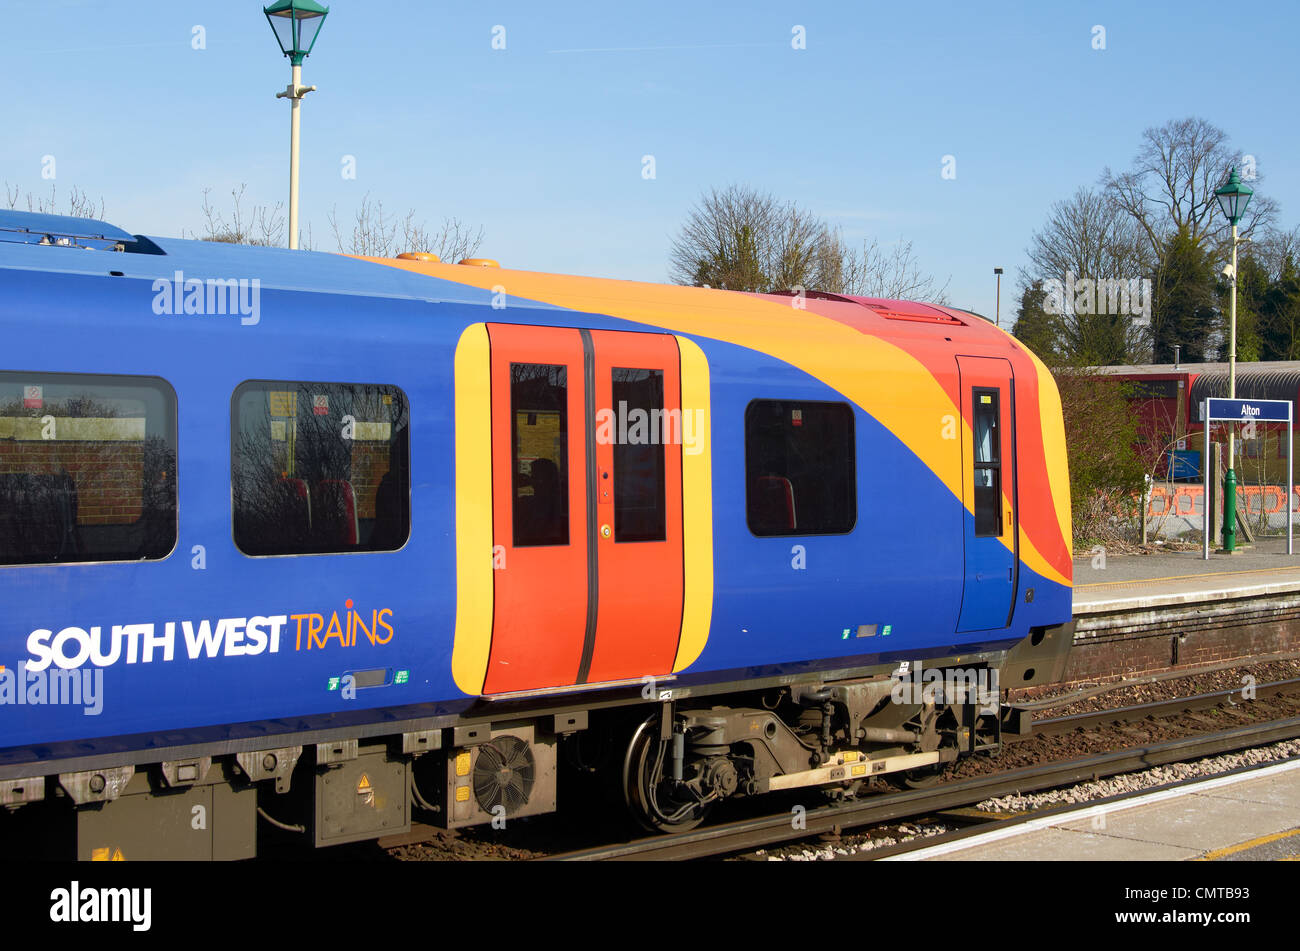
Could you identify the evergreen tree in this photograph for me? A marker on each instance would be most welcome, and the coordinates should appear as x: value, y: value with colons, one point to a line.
x: 1035, y: 327
x: 1279, y: 314
x: 1184, y: 310
x: 1252, y: 288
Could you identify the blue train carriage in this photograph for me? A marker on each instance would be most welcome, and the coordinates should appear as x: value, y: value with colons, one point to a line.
x: 319, y: 537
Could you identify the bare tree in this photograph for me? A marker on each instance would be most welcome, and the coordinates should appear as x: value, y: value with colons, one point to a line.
x: 745, y: 240
x: 891, y: 273
x: 1090, y: 237
x: 263, y: 225
x: 1168, y: 193
x: 1171, y: 183
x: 729, y: 241
x: 1275, y: 248
x: 378, y: 234
x: 79, y: 205
x: 800, y: 250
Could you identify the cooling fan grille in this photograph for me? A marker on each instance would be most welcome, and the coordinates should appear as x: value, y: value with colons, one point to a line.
x: 503, y: 774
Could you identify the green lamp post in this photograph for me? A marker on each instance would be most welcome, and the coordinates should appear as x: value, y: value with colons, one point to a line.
x: 296, y: 24
x: 1233, y: 199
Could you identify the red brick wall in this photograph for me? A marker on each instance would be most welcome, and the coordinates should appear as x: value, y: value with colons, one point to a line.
x: 1122, y: 645
x: 109, y: 475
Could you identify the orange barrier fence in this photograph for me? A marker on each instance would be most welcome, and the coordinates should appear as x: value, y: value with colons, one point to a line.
x: 1187, y: 499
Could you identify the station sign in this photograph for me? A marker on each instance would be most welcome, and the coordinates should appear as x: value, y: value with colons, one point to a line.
x: 1217, y: 410
x: 1243, y: 411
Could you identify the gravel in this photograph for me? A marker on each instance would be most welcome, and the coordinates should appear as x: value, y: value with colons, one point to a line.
x: 1146, y: 779
x: 853, y: 845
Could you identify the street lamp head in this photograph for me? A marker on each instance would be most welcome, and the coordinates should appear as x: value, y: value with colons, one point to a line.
x: 296, y: 24
x: 1234, y: 197
x: 997, y: 270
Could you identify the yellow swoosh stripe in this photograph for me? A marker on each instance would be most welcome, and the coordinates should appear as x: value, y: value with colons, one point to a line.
x: 884, y: 380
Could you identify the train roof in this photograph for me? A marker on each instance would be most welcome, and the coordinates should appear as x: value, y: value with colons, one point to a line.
x: 62, y: 244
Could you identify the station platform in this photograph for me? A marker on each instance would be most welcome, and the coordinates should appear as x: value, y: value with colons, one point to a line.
x: 1148, y: 613
x: 1127, y: 582
x: 1252, y: 816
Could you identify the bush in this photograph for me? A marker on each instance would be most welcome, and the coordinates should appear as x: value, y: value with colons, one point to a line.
x: 1106, y: 472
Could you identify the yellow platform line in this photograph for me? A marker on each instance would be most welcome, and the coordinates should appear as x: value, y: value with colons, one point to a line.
x: 1207, y: 574
x: 1244, y: 846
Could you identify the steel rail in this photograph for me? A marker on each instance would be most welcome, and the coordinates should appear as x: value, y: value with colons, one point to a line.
x: 1158, y: 708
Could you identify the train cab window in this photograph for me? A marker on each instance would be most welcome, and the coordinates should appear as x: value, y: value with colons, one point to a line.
x: 319, y: 468
x: 87, y: 468
x: 640, y: 510
x: 800, y: 470
x: 539, y: 412
x: 988, y: 463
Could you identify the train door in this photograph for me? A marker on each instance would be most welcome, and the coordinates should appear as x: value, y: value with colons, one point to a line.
x: 586, y: 514
x: 988, y: 492
x: 638, y: 505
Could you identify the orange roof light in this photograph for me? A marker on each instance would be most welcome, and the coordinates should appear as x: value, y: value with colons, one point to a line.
x: 479, y: 262
x: 425, y: 256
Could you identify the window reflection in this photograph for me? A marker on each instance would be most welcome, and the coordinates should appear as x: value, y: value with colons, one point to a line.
x: 639, y: 507
x: 87, y: 468
x: 539, y: 438
x: 800, y: 468
x: 988, y: 463
x: 319, y: 468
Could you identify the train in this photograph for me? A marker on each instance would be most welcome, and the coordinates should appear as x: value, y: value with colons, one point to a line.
x: 302, y: 544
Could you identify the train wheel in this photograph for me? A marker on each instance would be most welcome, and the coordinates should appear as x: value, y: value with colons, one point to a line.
x: 650, y: 797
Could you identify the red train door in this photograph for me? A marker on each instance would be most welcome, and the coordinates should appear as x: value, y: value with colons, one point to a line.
x: 539, y: 507
x: 638, y: 505
x: 586, y: 516
x: 988, y: 492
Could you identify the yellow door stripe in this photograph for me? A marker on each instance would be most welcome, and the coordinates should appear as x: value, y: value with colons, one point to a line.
x: 474, y: 555
x: 1053, y: 429
x: 697, y: 506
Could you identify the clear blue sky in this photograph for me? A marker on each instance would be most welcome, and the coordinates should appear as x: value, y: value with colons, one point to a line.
x: 542, y: 143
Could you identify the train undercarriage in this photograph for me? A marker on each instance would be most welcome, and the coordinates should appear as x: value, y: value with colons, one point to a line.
x: 672, y: 759
x: 681, y: 761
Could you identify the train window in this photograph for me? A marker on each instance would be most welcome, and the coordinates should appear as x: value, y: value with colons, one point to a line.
x: 640, y: 511
x: 87, y: 468
x: 539, y: 408
x: 988, y: 463
x: 800, y: 471
x: 319, y: 468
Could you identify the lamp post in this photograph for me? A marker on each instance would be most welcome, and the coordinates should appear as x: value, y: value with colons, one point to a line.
x: 1233, y: 199
x: 997, y: 307
x: 296, y: 24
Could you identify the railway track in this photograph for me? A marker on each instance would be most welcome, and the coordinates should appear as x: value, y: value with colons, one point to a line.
x: 1157, y: 708
x: 745, y: 835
